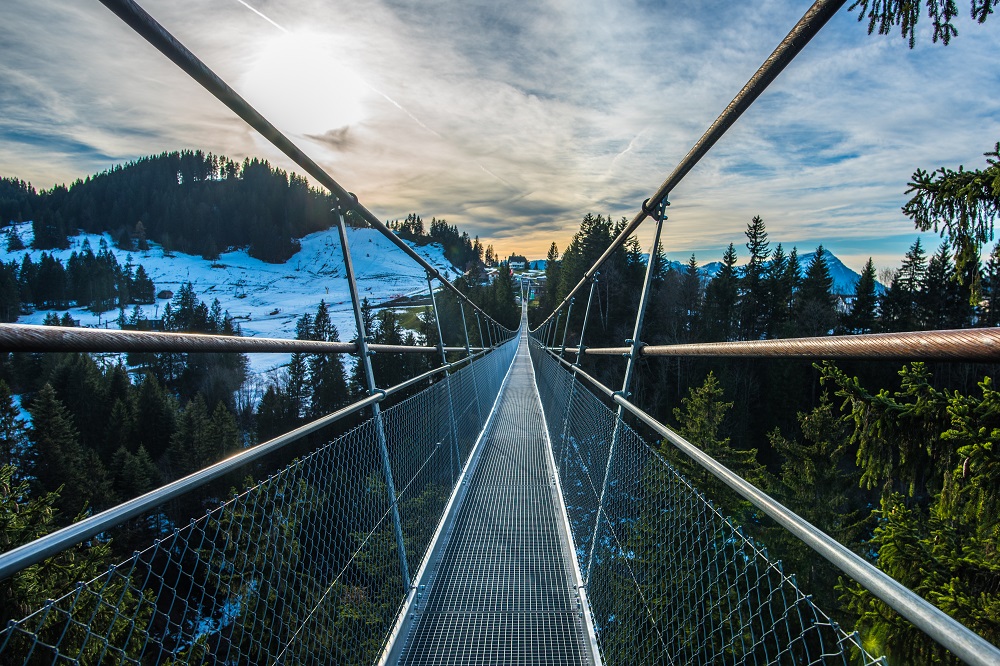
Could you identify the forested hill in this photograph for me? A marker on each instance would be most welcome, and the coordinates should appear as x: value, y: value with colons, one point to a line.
x: 193, y: 202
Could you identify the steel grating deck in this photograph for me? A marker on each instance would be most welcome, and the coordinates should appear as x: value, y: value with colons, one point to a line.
x: 503, y: 592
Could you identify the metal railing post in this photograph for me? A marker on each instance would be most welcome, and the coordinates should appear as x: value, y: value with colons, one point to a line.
x: 479, y: 326
x: 572, y: 384
x: 659, y: 215
x: 472, y: 364
x: 364, y: 358
x: 569, y: 313
x: 456, y: 454
x: 586, y: 317
x: 555, y: 330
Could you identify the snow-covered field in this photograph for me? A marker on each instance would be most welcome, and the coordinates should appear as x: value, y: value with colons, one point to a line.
x: 266, y: 298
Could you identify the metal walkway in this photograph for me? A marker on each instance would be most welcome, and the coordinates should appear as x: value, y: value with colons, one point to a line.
x: 504, y: 590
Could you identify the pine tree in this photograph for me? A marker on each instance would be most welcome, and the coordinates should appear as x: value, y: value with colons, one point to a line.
x: 700, y: 421
x: 991, y: 289
x: 815, y: 306
x: 10, y: 301
x: 328, y: 389
x: 755, y: 301
x: 12, y: 433
x: 863, y: 315
x: 780, y: 292
x: 552, y: 279
x: 899, y: 306
x: 818, y: 481
x: 59, y: 463
x: 721, y: 300
x: 943, y: 303
x: 933, y: 456
x: 691, y: 301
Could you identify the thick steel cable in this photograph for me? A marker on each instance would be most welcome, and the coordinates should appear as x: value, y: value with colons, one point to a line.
x: 975, y: 344
x: 964, y: 643
x: 32, y: 338
x: 150, y: 29
x: 793, y: 43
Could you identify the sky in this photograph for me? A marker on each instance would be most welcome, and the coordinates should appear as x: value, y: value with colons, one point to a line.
x: 514, y: 119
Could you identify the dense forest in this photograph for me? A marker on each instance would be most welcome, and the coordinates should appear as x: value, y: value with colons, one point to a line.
x: 897, y: 463
x: 203, y: 204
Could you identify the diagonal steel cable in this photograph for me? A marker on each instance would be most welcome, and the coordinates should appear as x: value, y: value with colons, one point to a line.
x: 150, y: 29
x: 807, y: 27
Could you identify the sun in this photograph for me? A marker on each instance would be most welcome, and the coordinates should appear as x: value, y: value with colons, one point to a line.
x: 300, y: 83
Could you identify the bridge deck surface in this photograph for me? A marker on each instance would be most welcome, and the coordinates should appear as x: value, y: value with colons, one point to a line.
x: 503, y: 591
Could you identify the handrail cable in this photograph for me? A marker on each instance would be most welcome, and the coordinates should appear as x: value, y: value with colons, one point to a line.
x: 35, y: 338
x: 976, y: 344
x: 793, y: 43
x: 150, y: 29
x: 17, y: 559
x: 966, y: 644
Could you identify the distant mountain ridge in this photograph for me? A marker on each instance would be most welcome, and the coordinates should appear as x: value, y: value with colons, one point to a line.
x: 844, y: 278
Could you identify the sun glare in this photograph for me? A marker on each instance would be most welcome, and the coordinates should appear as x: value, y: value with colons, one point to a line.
x: 299, y: 82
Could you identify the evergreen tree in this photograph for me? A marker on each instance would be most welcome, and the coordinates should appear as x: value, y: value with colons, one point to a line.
x: 275, y: 414
x: 327, y: 380
x: 26, y: 516
x: 755, y: 301
x: 58, y: 462
x: 933, y: 456
x: 10, y: 301
x: 863, y: 315
x: 943, y: 303
x: 780, y: 291
x: 818, y: 481
x: 888, y: 15
x: 700, y: 421
x: 899, y: 305
x: 815, y: 306
x: 155, y: 416
x: 721, y: 300
x: 12, y: 434
x: 691, y: 301
x: 142, y: 288
x: 552, y: 279
x: 991, y: 289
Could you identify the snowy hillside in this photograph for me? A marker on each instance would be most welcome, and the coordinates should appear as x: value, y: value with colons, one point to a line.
x: 267, y: 298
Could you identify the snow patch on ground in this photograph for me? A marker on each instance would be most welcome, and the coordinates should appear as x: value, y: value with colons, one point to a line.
x: 265, y: 299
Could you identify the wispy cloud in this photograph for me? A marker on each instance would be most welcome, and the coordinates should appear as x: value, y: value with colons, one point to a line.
x: 513, y: 120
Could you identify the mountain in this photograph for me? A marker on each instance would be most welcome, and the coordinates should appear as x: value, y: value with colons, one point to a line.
x: 844, y: 278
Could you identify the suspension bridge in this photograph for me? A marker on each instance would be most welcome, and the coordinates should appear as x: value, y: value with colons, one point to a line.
x: 503, y: 508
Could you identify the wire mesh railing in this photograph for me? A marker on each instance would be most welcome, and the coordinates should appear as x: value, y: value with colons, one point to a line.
x: 671, y: 579
x: 300, y: 568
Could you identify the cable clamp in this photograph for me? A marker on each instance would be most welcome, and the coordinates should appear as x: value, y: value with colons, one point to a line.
x: 379, y: 392
x: 624, y: 394
x: 343, y: 207
x: 659, y: 213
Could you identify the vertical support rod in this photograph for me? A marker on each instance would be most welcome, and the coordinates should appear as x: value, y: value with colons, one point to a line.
x: 479, y: 326
x: 633, y: 355
x: 456, y: 454
x: 572, y: 384
x: 569, y: 313
x: 364, y: 358
x: 586, y: 317
x: 472, y: 364
x: 555, y: 330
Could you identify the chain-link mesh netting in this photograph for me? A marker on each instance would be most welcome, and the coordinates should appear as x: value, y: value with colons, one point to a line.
x: 301, y: 568
x: 672, y: 580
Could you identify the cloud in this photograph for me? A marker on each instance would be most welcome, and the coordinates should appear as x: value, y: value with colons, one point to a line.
x: 514, y: 120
